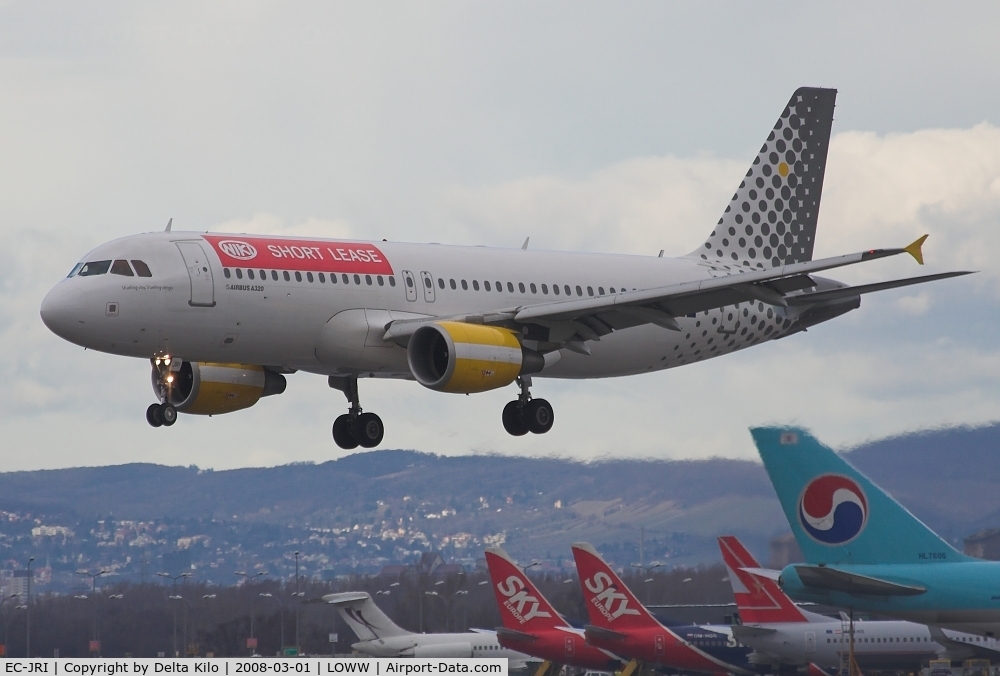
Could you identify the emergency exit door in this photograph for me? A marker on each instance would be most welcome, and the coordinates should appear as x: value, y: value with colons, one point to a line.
x: 200, y: 274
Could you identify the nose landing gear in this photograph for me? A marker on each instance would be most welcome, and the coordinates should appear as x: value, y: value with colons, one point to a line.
x: 355, y: 428
x: 525, y: 414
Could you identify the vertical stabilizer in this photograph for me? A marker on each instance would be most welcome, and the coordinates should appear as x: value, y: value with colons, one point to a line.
x: 758, y: 599
x: 837, y: 514
x: 364, y: 617
x: 771, y: 219
x: 522, y: 606
x: 610, y: 604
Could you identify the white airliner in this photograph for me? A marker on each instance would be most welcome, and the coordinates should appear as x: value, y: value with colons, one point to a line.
x: 782, y: 633
x: 223, y: 317
x: 378, y: 636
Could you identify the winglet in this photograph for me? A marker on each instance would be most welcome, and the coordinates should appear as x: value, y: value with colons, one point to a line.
x: 914, y: 250
x: 169, y: 223
x: 524, y: 247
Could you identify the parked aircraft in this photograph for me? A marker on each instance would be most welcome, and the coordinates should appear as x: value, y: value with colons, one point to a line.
x: 532, y: 625
x: 223, y: 318
x: 864, y: 550
x: 782, y: 633
x: 378, y: 636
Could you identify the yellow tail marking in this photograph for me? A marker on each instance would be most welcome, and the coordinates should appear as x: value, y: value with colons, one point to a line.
x: 914, y: 250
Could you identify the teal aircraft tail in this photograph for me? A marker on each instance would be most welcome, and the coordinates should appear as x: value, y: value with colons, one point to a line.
x: 837, y: 514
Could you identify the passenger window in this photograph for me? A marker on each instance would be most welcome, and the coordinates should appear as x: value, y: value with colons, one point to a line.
x: 612, y: 290
x: 545, y: 289
x: 428, y: 283
x: 532, y: 285
x: 298, y: 276
x: 322, y: 278
x: 451, y: 283
x: 600, y: 291
x: 357, y: 279
x: 285, y: 275
x: 499, y: 287
x: 346, y: 279
x: 590, y: 291
x: 409, y: 282
x: 239, y: 274
x: 487, y: 286
x: 579, y: 291
x: 94, y: 268
x: 263, y: 275
x: 368, y: 280
x: 510, y: 288
x: 274, y: 275
x: 225, y: 273
x: 392, y: 281
x: 381, y: 280
x: 465, y: 285
x: 121, y: 267
x: 309, y: 276
x: 475, y: 285
x: 440, y: 283
x: 250, y: 274
x: 333, y: 277
x: 141, y: 269
x: 520, y: 287
x: 569, y: 292
x: 555, y: 288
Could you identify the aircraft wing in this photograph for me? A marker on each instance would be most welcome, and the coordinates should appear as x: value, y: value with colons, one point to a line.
x: 573, y: 322
x: 832, y: 579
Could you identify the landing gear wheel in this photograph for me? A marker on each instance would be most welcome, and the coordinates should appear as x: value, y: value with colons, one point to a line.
x: 168, y: 414
x: 513, y: 419
x: 342, y: 434
x: 538, y: 416
x: 368, y: 430
x: 153, y: 415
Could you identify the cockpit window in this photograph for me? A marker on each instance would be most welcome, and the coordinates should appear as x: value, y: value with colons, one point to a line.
x: 94, y: 268
x: 141, y: 269
x: 120, y: 267
x: 76, y: 269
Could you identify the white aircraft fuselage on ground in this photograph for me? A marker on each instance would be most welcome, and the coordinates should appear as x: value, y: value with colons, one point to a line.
x: 222, y: 317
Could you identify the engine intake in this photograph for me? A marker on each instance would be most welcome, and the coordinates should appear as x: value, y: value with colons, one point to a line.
x: 205, y: 388
x: 464, y: 358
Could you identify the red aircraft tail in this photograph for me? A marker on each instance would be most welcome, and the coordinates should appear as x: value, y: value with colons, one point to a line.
x: 759, y: 599
x: 610, y: 604
x: 522, y: 606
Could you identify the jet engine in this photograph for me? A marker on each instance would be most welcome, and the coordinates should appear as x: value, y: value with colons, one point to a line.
x: 465, y: 358
x: 204, y: 388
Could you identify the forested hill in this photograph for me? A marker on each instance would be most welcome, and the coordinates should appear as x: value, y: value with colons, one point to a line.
x: 947, y: 477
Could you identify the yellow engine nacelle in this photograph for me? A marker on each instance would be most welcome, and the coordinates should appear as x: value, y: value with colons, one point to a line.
x: 203, y: 388
x: 465, y: 358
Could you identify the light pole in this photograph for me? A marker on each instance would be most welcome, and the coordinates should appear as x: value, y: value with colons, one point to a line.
x: 447, y: 600
x: 175, y: 578
x: 96, y: 639
x: 298, y: 598
x: 93, y: 578
x: 250, y: 578
x: 6, y: 622
x: 647, y: 570
x: 190, y: 613
x: 281, y: 606
x: 27, y: 622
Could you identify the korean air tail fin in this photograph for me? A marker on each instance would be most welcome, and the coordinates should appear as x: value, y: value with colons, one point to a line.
x: 837, y: 514
x: 522, y: 606
x: 364, y: 617
x: 771, y: 219
x: 610, y: 604
x: 758, y: 599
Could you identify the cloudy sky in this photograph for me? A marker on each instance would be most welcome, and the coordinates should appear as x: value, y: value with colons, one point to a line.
x: 586, y: 126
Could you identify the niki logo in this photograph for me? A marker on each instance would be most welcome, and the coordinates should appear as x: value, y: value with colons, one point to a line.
x: 833, y: 509
x: 612, y: 603
x: 234, y: 248
x: 517, y: 599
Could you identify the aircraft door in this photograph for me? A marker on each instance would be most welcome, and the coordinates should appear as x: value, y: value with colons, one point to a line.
x: 200, y: 274
x: 427, y: 279
x: 810, y: 642
x: 658, y: 643
x: 410, y: 284
x: 569, y: 645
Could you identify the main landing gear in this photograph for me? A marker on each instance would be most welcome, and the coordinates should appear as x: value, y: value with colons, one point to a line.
x: 161, y: 415
x: 355, y: 428
x: 525, y: 414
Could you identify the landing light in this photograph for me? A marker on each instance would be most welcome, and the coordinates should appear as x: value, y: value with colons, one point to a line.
x: 166, y: 361
x: 170, y: 379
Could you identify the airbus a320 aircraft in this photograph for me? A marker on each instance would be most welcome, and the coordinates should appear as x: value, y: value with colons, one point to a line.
x: 223, y: 318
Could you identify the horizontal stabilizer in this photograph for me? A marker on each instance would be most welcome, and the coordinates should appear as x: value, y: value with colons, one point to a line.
x: 593, y: 632
x: 745, y: 631
x: 832, y: 579
x: 851, y: 291
x: 766, y: 573
x: 515, y: 635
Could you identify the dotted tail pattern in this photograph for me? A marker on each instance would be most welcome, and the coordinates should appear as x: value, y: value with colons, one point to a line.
x: 771, y: 220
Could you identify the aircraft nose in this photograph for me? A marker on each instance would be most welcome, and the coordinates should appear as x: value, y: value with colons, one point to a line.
x: 60, y: 313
